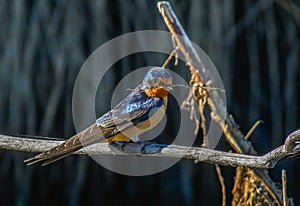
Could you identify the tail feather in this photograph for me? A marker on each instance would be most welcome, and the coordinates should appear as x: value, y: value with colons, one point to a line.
x: 87, y: 137
x: 49, y: 158
x: 33, y: 160
x: 47, y: 162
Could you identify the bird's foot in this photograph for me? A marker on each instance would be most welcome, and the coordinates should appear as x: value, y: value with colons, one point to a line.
x: 136, y: 148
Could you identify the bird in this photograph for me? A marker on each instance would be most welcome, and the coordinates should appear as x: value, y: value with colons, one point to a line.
x: 139, y: 112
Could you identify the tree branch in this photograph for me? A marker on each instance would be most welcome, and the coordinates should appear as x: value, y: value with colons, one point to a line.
x: 202, y: 76
x: 291, y: 147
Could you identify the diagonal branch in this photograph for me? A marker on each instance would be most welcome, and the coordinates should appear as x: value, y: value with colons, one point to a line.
x: 201, y: 75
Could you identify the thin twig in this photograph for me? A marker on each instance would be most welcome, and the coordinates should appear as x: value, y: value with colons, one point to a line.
x: 221, y: 179
x: 284, y: 188
x: 173, y: 53
x: 253, y: 128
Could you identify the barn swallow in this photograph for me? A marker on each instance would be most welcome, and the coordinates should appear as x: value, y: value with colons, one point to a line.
x: 138, y: 113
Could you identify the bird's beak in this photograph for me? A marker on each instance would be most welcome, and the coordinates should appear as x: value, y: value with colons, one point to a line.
x: 169, y: 87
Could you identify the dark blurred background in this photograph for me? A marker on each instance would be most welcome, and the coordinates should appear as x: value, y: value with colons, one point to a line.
x: 43, y: 44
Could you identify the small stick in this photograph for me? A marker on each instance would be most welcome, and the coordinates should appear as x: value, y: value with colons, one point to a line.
x: 253, y: 128
x: 170, y: 57
x: 221, y: 179
x: 284, y: 188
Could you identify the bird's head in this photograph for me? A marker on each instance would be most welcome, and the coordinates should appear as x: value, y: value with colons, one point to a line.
x: 157, y: 82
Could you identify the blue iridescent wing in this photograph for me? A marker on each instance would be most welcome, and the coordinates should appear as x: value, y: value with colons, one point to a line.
x: 135, y: 108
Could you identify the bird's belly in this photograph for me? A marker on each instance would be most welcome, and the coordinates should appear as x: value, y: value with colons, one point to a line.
x: 140, y: 128
x: 120, y: 137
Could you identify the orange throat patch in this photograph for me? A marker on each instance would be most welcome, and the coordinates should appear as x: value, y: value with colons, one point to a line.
x: 157, y: 92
